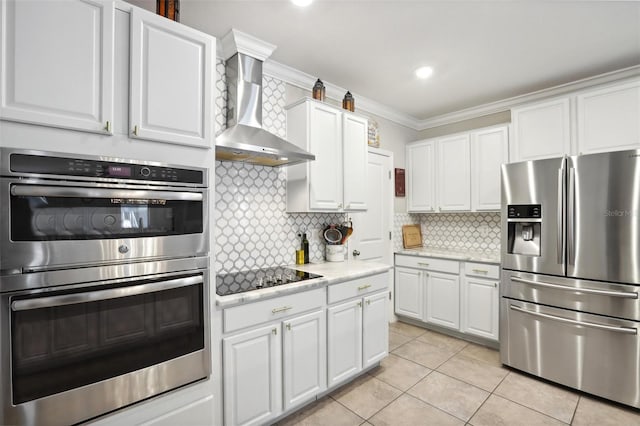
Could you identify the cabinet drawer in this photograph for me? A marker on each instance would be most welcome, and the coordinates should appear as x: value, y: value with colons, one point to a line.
x: 482, y: 270
x: 430, y: 263
x: 357, y: 287
x: 264, y: 311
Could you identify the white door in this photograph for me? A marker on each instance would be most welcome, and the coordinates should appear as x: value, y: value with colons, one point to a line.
x: 375, y: 329
x: 454, y: 177
x: 354, y: 149
x: 489, y: 150
x: 171, y: 81
x: 372, y: 229
x: 57, y: 63
x: 443, y: 299
x: 409, y: 293
x: 480, y: 299
x: 420, y: 159
x: 304, y: 358
x: 325, y: 173
x: 252, y: 376
x: 344, y: 341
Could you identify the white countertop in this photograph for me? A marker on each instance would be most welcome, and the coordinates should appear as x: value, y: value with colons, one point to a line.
x: 332, y: 273
x: 456, y: 254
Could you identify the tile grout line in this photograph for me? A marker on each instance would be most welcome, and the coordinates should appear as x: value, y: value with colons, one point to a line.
x: 575, y: 411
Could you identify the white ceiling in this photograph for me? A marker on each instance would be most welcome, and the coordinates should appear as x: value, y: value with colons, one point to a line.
x: 481, y: 51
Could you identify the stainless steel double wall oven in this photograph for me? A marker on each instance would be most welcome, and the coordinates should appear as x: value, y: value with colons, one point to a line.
x: 104, y: 283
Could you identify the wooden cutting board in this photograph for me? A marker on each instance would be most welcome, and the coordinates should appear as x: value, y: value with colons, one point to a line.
x: 411, y: 236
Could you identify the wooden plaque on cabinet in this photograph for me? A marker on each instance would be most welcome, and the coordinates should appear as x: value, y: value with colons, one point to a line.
x: 411, y: 236
x: 399, y: 182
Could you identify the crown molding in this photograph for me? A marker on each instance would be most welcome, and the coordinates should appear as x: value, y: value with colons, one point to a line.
x: 238, y: 42
x: 305, y: 81
x: 506, y: 104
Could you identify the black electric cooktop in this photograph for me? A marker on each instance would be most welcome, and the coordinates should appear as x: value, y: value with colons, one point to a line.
x: 256, y: 279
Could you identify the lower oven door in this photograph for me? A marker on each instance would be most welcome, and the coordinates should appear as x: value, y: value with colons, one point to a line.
x: 593, y: 353
x: 76, y: 352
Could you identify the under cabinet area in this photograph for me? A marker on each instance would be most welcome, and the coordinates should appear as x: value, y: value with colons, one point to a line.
x: 282, y: 352
x: 457, y: 173
x: 336, y: 180
x: 456, y: 295
x: 77, y: 57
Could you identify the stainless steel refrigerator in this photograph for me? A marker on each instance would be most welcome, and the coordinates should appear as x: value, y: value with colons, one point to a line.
x: 569, y: 306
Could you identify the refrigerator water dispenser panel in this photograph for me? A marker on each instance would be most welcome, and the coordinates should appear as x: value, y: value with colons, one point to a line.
x: 524, y: 222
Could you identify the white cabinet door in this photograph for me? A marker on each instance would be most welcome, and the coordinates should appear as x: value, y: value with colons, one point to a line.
x: 304, y: 358
x: 443, y: 300
x: 409, y: 293
x: 542, y: 130
x: 609, y: 119
x: 454, y: 174
x: 489, y: 150
x: 375, y: 329
x: 252, y: 376
x: 421, y: 176
x: 344, y: 342
x: 480, y: 299
x: 325, y: 173
x: 354, y: 148
x: 57, y: 63
x: 171, y: 81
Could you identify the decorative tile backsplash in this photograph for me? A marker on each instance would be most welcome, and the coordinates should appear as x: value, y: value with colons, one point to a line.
x: 252, y: 229
x: 468, y: 231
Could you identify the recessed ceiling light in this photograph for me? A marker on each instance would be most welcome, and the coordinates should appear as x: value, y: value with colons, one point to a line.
x: 301, y: 3
x: 424, y: 72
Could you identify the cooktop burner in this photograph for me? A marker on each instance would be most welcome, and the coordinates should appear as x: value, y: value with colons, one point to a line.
x: 240, y: 282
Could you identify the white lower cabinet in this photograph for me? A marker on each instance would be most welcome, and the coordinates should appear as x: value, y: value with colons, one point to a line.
x: 462, y: 296
x: 375, y: 329
x: 197, y: 413
x: 252, y: 376
x: 344, y: 343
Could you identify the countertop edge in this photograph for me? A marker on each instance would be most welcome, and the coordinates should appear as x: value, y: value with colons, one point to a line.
x: 453, y: 255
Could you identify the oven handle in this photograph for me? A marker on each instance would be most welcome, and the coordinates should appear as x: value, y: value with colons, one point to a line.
x: 626, y: 330
x: 623, y: 294
x: 81, y: 192
x: 94, y: 296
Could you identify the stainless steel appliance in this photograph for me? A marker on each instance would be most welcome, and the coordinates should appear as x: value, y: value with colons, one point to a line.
x: 570, y: 308
x: 59, y: 210
x: 98, y: 308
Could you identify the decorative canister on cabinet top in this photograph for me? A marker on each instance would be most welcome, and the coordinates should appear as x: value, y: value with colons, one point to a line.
x: 169, y: 9
x: 348, y: 102
x: 318, y: 90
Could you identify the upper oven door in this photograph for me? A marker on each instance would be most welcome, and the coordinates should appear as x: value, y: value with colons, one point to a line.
x: 53, y: 224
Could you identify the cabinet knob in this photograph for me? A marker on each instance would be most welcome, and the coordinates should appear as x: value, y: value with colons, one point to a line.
x: 289, y: 326
x: 135, y: 130
x: 368, y: 302
x: 340, y: 205
x: 107, y: 127
x: 360, y: 304
x: 274, y: 331
x: 495, y: 284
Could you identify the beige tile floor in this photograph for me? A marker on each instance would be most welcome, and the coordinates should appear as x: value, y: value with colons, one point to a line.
x: 433, y: 379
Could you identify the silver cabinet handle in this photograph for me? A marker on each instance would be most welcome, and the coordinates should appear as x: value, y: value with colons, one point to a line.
x: 274, y: 331
x: 282, y: 309
x: 76, y: 192
x: 364, y: 287
x: 108, y: 126
x: 94, y: 296
x: 626, y: 330
x: 360, y: 304
x: 480, y: 271
x: 612, y: 293
x: 423, y: 264
x: 289, y: 326
x: 135, y: 130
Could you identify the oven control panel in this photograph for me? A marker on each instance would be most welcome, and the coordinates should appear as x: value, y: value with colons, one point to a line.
x: 102, y: 169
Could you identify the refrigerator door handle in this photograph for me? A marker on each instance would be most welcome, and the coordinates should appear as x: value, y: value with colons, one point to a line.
x: 622, y: 294
x: 562, y: 177
x: 571, y: 217
x: 626, y: 330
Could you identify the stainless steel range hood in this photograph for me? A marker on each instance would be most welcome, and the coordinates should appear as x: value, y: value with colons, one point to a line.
x: 244, y: 139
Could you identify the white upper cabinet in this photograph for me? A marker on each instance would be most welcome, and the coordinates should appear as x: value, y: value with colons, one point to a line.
x: 542, y: 130
x: 489, y: 150
x: 336, y: 180
x: 609, y: 118
x: 421, y: 176
x: 171, y: 81
x: 454, y: 185
x: 57, y: 63
x: 354, y: 148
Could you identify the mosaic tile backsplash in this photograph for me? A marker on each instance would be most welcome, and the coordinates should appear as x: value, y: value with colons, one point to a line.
x: 467, y: 231
x: 251, y: 227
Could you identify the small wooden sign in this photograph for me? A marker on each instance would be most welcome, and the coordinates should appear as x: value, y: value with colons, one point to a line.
x: 411, y: 236
x: 399, y: 182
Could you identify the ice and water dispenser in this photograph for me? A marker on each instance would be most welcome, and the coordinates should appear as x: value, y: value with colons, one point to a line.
x: 524, y: 222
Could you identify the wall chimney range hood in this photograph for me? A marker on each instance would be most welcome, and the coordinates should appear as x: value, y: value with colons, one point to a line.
x: 244, y: 138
